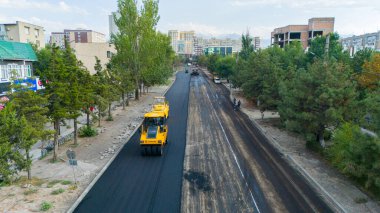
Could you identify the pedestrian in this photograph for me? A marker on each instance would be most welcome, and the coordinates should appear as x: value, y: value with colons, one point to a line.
x: 238, y: 104
x: 234, y: 101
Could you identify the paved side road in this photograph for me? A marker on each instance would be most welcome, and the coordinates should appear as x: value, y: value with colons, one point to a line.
x: 135, y: 183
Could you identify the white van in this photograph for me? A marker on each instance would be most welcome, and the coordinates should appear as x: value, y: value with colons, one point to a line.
x: 217, y: 80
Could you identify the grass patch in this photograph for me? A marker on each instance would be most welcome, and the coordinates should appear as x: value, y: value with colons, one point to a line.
x: 45, y: 206
x: 66, y: 182
x: 57, y: 191
x: 34, y: 181
x: 52, y: 183
x: 30, y: 191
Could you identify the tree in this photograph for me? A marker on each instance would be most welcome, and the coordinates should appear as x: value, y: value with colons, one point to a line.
x: 318, y: 49
x: 370, y: 108
x: 225, y: 66
x: 132, y: 42
x: 9, y: 158
x: 317, y: 98
x: 30, y: 109
x: 370, y: 77
x: 212, y: 62
x: 357, y: 156
x: 55, y: 80
x: 78, y: 85
x: 360, y: 58
x: 102, y: 89
x: 247, y: 46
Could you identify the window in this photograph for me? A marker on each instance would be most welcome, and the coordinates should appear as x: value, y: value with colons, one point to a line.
x: 108, y: 54
x: 38, y: 43
x: 36, y: 32
x: 27, y: 30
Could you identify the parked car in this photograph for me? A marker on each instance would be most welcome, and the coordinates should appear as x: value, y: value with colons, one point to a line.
x: 217, y: 80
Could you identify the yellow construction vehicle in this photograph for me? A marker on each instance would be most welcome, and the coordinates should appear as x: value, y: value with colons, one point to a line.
x: 160, y: 104
x: 154, y: 133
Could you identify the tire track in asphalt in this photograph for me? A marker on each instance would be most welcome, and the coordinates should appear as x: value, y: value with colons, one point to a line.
x: 290, y: 187
x: 210, y: 156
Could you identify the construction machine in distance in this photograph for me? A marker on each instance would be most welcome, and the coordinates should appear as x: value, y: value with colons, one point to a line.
x: 154, y: 133
x: 160, y: 104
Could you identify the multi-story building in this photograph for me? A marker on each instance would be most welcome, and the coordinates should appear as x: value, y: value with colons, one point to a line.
x: 23, y: 32
x: 174, y: 38
x: 198, y: 46
x: 112, y: 26
x: 16, y: 62
x: 182, y: 42
x: 220, y: 50
x: 86, y: 52
x: 76, y: 36
x: 214, y: 42
x: 303, y: 33
x: 58, y: 38
x: 256, y: 43
x: 355, y: 43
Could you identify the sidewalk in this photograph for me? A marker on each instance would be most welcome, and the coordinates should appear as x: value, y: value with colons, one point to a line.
x: 92, y: 155
x: 333, y: 186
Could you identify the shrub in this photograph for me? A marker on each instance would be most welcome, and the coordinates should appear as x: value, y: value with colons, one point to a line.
x: 109, y: 118
x: 87, y: 132
x: 45, y: 206
x: 30, y: 191
x: 52, y: 183
x: 66, y: 182
x: 357, y: 155
x: 57, y: 191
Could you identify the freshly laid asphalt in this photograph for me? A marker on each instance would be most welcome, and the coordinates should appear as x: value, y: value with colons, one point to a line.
x: 135, y: 183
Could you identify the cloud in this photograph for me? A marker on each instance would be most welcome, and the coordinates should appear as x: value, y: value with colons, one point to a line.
x: 40, y: 5
x: 307, y: 4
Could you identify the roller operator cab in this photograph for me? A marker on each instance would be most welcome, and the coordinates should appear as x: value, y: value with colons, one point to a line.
x: 160, y: 104
x: 154, y: 133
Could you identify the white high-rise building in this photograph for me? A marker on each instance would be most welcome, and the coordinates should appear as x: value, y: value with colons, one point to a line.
x: 182, y: 41
x: 113, y: 28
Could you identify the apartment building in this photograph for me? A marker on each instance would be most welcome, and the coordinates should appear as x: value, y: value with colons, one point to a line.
x: 76, y: 36
x: 182, y: 42
x: 354, y: 44
x: 256, y: 43
x: 23, y: 32
x: 86, y: 52
x: 113, y: 29
x: 303, y: 33
x: 174, y: 38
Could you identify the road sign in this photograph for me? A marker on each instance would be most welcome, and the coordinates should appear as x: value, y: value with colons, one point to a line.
x: 70, y: 154
x: 73, y: 162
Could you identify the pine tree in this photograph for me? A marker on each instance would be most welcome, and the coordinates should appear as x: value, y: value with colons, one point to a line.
x: 56, y: 81
x: 317, y: 98
x: 31, y: 111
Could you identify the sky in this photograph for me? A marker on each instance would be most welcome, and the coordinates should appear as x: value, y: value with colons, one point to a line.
x: 207, y: 17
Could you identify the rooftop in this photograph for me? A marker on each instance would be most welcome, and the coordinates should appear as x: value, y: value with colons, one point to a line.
x: 16, y: 51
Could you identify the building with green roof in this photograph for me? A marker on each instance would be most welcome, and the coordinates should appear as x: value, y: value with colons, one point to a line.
x: 15, y: 61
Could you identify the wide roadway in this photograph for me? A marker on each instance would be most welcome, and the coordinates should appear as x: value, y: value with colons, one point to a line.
x: 135, y: 183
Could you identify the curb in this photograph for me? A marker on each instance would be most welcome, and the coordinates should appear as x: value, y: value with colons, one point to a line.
x: 97, y: 177
x: 337, y: 207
